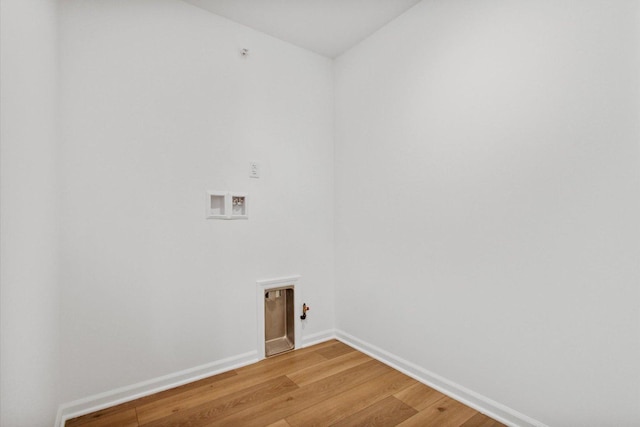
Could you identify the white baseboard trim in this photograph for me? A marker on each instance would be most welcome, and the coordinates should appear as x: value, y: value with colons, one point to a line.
x: 90, y: 404
x: 318, y: 337
x: 468, y: 397
x: 481, y: 403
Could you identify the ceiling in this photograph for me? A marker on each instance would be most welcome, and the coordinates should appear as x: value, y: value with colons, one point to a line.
x: 327, y: 27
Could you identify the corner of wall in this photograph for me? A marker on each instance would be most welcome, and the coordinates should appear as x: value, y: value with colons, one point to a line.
x: 481, y: 403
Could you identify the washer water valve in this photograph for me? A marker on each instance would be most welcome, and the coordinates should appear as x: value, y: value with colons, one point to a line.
x: 305, y: 308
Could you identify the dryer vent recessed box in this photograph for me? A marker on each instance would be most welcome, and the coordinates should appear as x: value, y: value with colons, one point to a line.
x: 226, y: 205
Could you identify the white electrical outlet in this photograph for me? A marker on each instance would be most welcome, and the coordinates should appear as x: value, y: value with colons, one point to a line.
x: 254, y: 170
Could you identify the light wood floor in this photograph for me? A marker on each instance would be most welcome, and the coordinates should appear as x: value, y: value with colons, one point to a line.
x: 329, y: 384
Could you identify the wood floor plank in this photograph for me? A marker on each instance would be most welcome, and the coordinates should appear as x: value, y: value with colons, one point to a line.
x: 297, y: 356
x: 385, y: 413
x: 444, y: 413
x: 304, y: 397
x: 338, y: 349
x: 419, y: 396
x: 481, y: 420
x: 286, y: 363
x: 348, y: 403
x: 126, y: 418
x: 262, y: 372
x: 211, y: 411
x: 85, y: 419
x: 281, y: 423
x: 186, y: 387
x: 330, y: 367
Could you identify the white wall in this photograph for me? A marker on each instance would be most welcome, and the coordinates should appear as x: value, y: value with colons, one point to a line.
x: 28, y: 213
x: 158, y: 107
x: 487, y: 190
